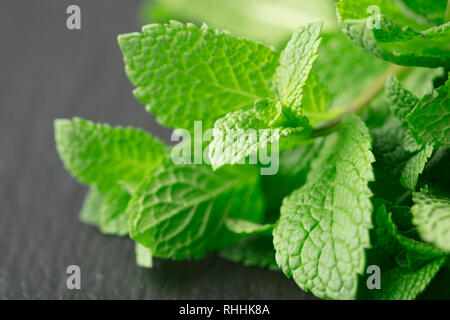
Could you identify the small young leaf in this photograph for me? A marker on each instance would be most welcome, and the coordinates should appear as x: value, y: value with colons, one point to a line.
x: 414, y: 167
x: 296, y: 61
x: 241, y: 134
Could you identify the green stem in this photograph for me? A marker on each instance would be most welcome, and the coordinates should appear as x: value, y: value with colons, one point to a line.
x: 363, y: 99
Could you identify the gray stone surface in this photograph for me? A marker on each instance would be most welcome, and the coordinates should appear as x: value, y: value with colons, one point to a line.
x: 49, y: 72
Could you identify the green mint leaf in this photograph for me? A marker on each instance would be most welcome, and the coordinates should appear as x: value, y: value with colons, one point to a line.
x: 408, y: 252
x: 430, y: 119
x: 144, y: 257
x: 296, y: 61
x: 185, y: 73
x: 241, y: 134
x: 438, y: 288
x: 431, y: 215
x: 386, y: 231
x: 323, y: 230
x: 417, y: 80
x: 179, y: 211
x: 417, y: 253
x: 105, y: 156
x: 402, y: 284
x: 392, y: 33
x: 414, y: 167
x: 402, y: 101
x: 107, y: 210
x: 402, y: 104
x: 240, y: 226
x: 407, y: 265
x: 256, y: 251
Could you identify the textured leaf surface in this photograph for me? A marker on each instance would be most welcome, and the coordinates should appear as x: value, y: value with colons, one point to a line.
x: 402, y: 103
x: 179, y: 211
x: 256, y: 250
x: 386, y: 231
x: 241, y: 134
x: 185, y: 73
x: 430, y: 119
x: 101, y: 155
x: 431, y: 215
x: 296, y: 61
x: 402, y: 100
x: 324, y: 226
x: 401, y: 37
x: 414, y: 167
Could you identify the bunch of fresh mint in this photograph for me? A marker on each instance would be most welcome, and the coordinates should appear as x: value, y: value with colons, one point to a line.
x: 360, y: 205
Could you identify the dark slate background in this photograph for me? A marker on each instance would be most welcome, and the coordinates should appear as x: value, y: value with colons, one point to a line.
x: 48, y: 72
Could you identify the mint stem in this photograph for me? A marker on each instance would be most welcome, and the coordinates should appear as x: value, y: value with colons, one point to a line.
x: 363, y: 99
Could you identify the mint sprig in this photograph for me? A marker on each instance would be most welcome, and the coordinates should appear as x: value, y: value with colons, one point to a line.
x: 352, y: 131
